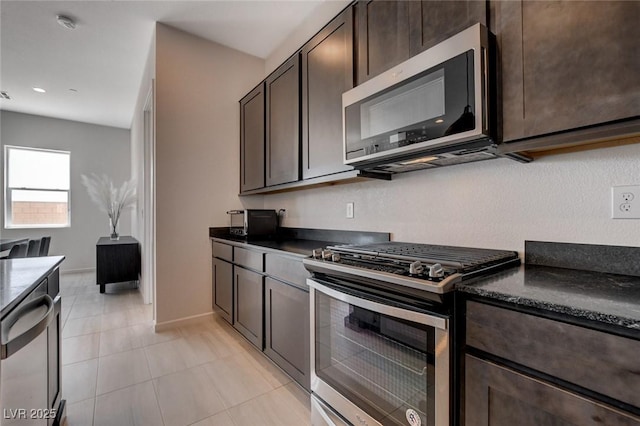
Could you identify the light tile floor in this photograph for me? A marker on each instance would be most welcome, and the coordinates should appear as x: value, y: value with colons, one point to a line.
x: 118, y: 371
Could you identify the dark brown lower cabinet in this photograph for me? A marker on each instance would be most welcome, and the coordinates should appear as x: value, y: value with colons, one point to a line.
x: 287, y: 328
x: 248, y: 305
x: 223, y: 289
x: 499, y: 396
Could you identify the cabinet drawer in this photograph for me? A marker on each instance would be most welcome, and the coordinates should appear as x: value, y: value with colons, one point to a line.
x: 249, y: 259
x: 222, y: 251
x: 595, y: 360
x: 287, y: 269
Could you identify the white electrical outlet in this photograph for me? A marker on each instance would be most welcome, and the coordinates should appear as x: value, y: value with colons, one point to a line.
x: 625, y: 202
x: 349, y: 210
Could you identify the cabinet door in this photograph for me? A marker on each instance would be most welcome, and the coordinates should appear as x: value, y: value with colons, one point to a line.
x: 327, y: 72
x: 567, y: 64
x: 117, y: 262
x: 497, y: 396
x: 248, y: 305
x: 287, y: 329
x: 431, y: 22
x: 252, y: 140
x: 223, y: 289
x: 283, y: 124
x: 383, y: 36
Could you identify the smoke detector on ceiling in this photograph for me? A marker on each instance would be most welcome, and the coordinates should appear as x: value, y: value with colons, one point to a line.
x: 66, y: 22
x: 4, y: 95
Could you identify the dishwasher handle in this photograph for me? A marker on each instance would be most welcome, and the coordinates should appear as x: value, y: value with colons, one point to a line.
x: 9, y: 347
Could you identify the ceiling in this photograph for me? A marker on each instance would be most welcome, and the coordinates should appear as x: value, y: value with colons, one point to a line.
x: 103, y: 59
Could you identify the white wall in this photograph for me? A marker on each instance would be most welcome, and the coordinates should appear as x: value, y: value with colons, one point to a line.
x: 94, y: 149
x: 137, y: 170
x: 198, y: 86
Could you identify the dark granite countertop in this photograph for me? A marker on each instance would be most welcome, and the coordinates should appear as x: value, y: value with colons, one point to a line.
x: 19, y: 276
x: 301, y: 248
x: 592, y: 282
x: 301, y: 241
x: 612, y: 299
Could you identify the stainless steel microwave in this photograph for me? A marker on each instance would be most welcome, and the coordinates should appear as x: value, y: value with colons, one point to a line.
x: 434, y: 109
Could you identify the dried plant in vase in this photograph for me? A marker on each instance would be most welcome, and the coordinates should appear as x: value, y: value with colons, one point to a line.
x: 110, y: 199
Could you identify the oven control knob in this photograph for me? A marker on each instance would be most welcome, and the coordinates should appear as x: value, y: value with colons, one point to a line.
x: 416, y: 268
x: 335, y: 257
x: 436, y: 271
x: 316, y: 253
x: 326, y: 254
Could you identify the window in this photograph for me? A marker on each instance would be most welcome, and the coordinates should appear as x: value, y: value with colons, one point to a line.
x: 36, y: 188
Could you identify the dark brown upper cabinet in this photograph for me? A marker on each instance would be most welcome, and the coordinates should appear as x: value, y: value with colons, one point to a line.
x: 566, y: 64
x: 389, y: 32
x: 382, y: 36
x: 252, y: 140
x: 327, y: 72
x: 283, y: 123
x: 431, y: 22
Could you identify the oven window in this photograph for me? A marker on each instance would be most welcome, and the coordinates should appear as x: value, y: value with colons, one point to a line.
x: 382, y: 364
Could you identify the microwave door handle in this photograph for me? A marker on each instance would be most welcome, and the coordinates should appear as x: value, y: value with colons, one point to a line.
x: 9, y: 347
x: 485, y: 88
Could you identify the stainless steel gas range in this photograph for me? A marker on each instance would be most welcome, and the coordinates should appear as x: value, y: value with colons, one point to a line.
x: 381, y: 330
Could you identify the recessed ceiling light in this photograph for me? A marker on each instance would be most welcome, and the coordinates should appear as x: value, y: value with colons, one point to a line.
x: 39, y: 90
x: 66, y: 22
x: 439, y: 120
x: 73, y: 90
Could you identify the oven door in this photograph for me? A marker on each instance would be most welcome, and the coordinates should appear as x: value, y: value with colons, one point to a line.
x: 378, y: 363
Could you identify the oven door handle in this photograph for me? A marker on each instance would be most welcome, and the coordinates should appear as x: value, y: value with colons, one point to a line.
x: 393, y: 311
x: 10, y: 346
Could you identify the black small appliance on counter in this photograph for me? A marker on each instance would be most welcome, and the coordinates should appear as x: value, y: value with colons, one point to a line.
x: 251, y: 223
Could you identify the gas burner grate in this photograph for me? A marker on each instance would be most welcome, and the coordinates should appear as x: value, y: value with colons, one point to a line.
x: 464, y: 259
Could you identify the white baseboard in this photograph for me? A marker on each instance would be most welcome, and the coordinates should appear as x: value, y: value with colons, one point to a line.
x: 77, y: 271
x: 167, y: 325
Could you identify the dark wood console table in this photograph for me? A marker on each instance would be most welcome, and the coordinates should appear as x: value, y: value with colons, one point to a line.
x: 117, y: 260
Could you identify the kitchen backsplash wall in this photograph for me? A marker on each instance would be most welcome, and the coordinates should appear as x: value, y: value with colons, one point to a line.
x: 494, y: 204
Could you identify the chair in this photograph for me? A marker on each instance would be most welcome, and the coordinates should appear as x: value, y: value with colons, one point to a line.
x: 18, y: 250
x: 33, y: 249
x: 44, y: 246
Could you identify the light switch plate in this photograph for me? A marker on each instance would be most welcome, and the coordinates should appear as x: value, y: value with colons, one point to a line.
x: 625, y: 202
x: 349, y: 210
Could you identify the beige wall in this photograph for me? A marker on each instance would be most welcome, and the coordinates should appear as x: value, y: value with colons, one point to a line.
x: 493, y: 204
x: 198, y: 86
x: 94, y: 149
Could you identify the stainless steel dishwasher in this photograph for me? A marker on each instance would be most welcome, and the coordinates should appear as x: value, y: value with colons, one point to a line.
x: 29, y: 353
